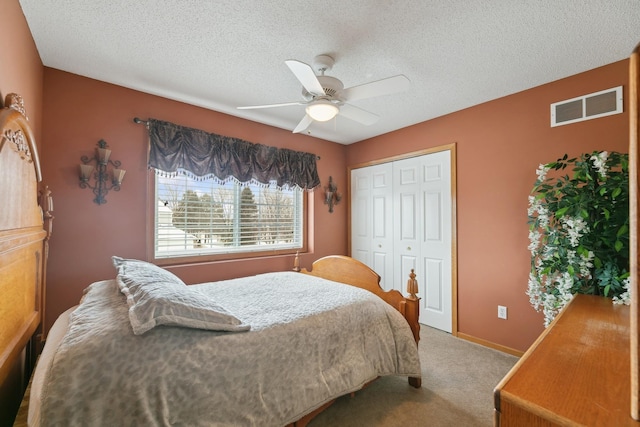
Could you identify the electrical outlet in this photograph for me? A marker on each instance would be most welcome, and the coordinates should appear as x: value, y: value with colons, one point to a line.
x: 502, y: 312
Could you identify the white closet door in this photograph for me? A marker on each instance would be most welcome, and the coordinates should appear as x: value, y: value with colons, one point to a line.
x: 372, y: 220
x: 436, y: 246
x: 401, y: 219
x: 407, y: 214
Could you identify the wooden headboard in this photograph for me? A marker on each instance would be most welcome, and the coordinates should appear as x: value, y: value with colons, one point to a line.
x: 23, y: 249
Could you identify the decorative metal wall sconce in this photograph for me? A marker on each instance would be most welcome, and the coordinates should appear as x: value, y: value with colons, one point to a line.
x: 102, y: 182
x: 332, y: 197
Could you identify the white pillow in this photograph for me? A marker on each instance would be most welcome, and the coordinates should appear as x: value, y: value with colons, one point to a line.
x: 158, y: 297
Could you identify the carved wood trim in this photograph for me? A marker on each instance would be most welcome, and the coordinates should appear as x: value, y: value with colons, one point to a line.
x: 17, y: 132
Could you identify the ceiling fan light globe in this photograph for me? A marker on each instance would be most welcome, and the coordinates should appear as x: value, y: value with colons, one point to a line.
x: 322, y: 111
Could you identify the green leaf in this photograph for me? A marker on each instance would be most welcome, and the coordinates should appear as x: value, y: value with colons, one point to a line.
x: 560, y: 212
x: 622, y: 230
x: 616, y: 192
x: 618, y: 245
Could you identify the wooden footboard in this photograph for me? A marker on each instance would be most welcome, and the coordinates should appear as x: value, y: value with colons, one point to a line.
x: 343, y: 269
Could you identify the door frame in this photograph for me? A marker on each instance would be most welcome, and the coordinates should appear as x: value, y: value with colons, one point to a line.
x: 454, y: 236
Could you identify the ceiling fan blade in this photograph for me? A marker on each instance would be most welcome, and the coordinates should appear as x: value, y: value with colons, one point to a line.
x: 358, y: 114
x: 284, y: 104
x: 386, y: 86
x: 304, y: 73
x: 304, y: 124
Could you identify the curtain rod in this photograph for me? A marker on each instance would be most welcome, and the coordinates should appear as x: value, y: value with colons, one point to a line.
x: 146, y: 123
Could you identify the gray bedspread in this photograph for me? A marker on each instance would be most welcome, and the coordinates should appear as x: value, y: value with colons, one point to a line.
x: 310, y: 341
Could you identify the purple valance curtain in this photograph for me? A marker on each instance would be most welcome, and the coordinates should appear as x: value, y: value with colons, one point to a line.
x: 181, y: 150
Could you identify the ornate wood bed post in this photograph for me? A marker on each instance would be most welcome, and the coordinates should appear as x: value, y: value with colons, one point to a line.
x: 296, y: 262
x: 46, y: 204
x: 412, y: 314
x: 413, y: 306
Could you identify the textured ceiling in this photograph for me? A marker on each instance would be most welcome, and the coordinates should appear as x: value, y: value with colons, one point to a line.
x: 224, y: 54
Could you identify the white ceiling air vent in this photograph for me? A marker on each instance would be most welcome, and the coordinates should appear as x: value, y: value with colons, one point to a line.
x: 587, y: 107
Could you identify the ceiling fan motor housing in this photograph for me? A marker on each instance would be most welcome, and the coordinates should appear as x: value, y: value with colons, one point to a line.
x: 332, y: 87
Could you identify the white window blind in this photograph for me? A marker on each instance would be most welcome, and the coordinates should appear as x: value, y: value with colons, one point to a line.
x: 205, y: 217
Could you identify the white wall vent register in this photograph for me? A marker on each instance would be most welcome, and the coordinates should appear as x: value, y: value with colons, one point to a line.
x: 598, y: 104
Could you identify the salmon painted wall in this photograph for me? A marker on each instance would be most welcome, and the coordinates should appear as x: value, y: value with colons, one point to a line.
x: 81, y: 111
x: 21, y: 69
x: 499, y: 146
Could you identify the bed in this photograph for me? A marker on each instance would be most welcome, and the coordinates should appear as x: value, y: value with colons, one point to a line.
x: 99, y: 362
x: 278, y: 348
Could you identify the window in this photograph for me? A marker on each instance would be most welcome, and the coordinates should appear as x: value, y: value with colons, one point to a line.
x: 202, y: 213
x: 209, y: 218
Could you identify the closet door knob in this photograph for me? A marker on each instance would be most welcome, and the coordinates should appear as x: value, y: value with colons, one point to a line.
x: 379, y: 245
x: 408, y: 248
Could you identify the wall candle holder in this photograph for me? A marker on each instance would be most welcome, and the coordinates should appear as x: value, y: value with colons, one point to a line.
x: 331, y: 195
x: 102, y: 180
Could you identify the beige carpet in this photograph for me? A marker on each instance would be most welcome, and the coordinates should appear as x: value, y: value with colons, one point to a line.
x: 458, y: 378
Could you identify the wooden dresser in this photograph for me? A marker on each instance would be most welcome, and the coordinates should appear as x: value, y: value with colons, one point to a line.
x: 576, y: 373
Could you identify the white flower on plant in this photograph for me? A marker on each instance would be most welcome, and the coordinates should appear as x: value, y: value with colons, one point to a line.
x: 576, y: 228
x: 542, y: 172
x: 549, y: 308
x: 537, y: 210
x: 534, y: 291
x: 600, y: 163
x: 544, y: 220
x: 565, y: 283
x: 625, y: 297
x: 585, y: 265
x: 533, y: 206
x: 534, y: 239
x: 552, y: 303
x: 548, y: 252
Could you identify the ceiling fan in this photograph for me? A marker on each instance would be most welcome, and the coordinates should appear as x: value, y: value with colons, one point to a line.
x: 325, y: 96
